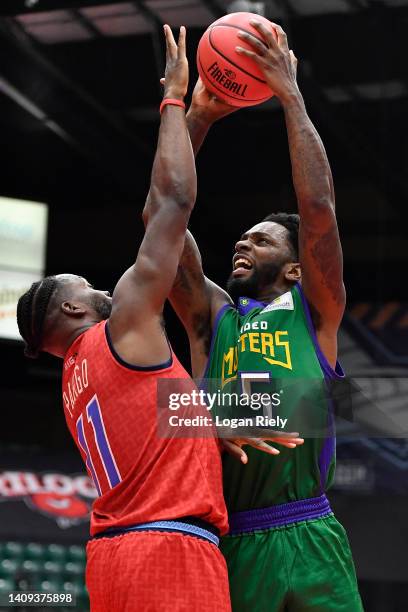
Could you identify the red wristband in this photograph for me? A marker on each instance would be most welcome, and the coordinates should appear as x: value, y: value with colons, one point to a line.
x: 172, y: 101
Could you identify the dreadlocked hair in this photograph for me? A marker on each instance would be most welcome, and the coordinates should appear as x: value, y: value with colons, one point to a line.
x: 31, y: 311
x: 291, y: 222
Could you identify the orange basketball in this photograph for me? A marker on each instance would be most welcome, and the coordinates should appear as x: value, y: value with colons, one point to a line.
x: 232, y: 77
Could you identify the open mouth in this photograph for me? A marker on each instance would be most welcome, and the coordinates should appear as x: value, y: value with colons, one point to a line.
x: 241, y: 264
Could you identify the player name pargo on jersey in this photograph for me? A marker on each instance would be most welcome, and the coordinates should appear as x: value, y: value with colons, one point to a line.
x: 66, y: 498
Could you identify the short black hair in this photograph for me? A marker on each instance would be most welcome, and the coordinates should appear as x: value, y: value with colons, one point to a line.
x: 291, y: 222
x: 31, y: 312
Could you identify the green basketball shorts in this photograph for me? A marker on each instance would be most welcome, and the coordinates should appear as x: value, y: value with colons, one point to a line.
x: 301, y: 566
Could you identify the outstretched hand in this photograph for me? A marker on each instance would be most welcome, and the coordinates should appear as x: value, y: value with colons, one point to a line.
x: 176, y: 74
x: 273, y: 57
x: 233, y: 446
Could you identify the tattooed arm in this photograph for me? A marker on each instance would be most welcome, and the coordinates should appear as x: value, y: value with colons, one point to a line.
x: 319, y: 243
x: 320, y: 251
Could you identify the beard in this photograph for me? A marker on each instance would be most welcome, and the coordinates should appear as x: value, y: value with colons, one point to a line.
x: 253, y: 285
x: 102, y: 305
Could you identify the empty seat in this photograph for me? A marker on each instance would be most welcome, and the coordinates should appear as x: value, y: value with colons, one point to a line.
x: 29, y: 567
x: 73, y: 586
x: 55, y: 552
x: 8, y: 568
x: 52, y: 569
x: 76, y: 553
x: 12, y: 550
x: 34, y: 551
x: 51, y: 585
x: 73, y: 570
x: 6, y: 585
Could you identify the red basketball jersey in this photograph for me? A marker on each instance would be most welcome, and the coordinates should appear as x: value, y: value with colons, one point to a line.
x: 110, y: 408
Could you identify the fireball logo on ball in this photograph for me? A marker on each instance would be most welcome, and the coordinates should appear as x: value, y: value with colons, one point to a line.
x: 230, y: 74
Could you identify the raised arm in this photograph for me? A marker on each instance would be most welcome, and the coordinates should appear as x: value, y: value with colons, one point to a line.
x: 194, y: 297
x: 137, y: 302
x: 319, y: 243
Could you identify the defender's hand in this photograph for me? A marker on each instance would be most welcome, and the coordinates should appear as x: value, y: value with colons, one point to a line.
x: 207, y: 106
x: 176, y: 75
x: 273, y: 57
x: 233, y: 446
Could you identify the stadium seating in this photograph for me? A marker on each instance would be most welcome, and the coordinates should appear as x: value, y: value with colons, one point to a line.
x: 382, y: 328
x: 48, y: 568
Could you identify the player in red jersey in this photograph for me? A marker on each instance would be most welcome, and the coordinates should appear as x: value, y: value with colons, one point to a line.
x: 160, y: 509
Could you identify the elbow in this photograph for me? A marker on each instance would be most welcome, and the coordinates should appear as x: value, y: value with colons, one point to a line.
x: 317, y: 196
x: 182, y: 195
x: 182, y: 190
x: 320, y: 205
x: 318, y: 213
x: 184, y: 198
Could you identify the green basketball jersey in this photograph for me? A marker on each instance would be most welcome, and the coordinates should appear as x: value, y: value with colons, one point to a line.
x: 275, y: 342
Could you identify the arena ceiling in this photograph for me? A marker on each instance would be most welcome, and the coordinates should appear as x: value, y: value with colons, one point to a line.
x: 79, y: 96
x: 88, y: 72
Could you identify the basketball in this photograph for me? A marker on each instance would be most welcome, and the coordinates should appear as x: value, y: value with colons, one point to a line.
x: 232, y: 77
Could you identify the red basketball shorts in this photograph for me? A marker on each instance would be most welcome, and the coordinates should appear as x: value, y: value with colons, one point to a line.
x: 152, y: 571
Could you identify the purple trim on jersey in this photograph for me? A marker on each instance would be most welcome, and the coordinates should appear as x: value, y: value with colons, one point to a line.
x: 328, y: 371
x: 214, y: 335
x: 129, y: 366
x: 329, y: 444
x: 244, y: 309
x: 280, y: 515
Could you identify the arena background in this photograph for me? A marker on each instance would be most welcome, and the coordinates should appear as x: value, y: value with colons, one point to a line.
x: 79, y: 97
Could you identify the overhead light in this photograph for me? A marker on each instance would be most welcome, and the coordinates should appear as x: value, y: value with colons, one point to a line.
x: 246, y: 6
x: 20, y: 99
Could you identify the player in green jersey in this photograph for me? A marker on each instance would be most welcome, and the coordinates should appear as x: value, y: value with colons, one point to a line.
x: 286, y: 551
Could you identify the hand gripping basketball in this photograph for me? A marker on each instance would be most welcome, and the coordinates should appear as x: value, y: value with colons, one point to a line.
x: 206, y: 105
x: 277, y: 63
